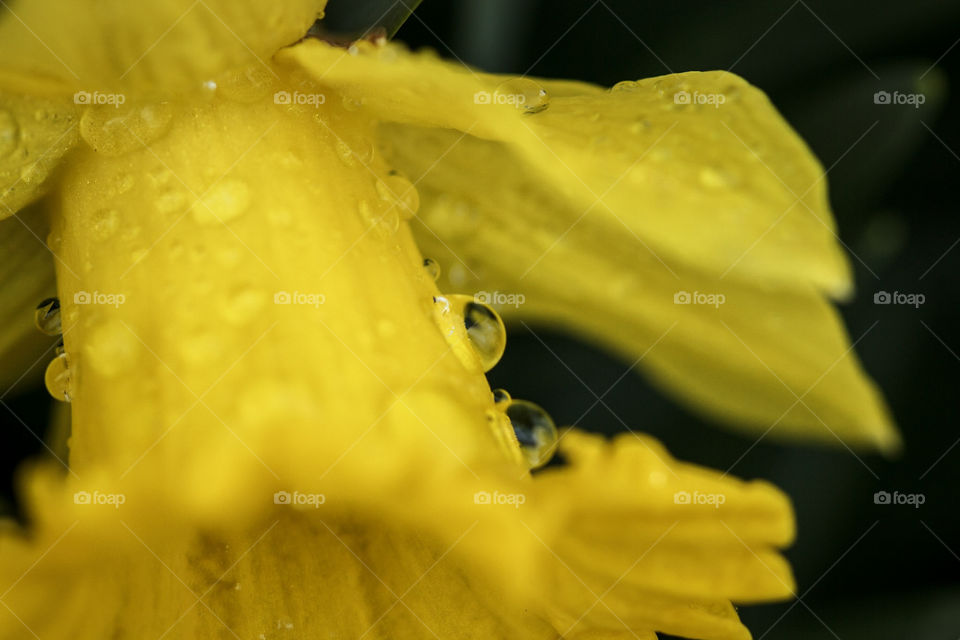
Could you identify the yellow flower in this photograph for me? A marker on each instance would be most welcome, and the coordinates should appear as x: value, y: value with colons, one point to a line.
x: 280, y: 425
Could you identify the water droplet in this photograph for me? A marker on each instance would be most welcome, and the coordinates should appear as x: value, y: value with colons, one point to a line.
x: 474, y: 331
x: 535, y: 431
x: 501, y: 397
x: 57, y: 378
x: 351, y: 103
x: 243, y: 306
x: 226, y: 200
x: 523, y: 93
x: 47, y: 317
x: 713, y: 178
x: 400, y: 193
x: 110, y: 348
x: 627, y: 86
x: 346, y: 153
x: 170, y: 201
x: 384, y: 218
x: 104, y: 223
x: 114, y: 131
x: 9, y: 133
x: 54, y: 241
x: 432, y: 268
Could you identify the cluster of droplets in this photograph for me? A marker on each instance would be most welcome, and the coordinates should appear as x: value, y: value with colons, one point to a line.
x: 57, y: 377
x: 477, y: 336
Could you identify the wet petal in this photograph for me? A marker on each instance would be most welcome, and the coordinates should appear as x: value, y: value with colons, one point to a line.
x: 90, y: 45
x: 35, y: 133
x: 756, y: 355
x: 655, y: 544
x: 700, y: 166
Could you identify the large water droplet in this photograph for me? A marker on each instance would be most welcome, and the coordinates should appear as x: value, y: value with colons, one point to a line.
x: 474, y: 331
x: 226, y: 200
x: 47, y: 317
x: 9, y: 133
x: 523, y: 93
x: 535, y: 431
x: 114, y: 131
x: 432, y: 268
x: 57, y: 378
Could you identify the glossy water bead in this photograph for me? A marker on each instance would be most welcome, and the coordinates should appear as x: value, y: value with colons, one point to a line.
x: 47, y: 317
x: 57, y: 378
x: 473, y: 330
x: 535, y: 431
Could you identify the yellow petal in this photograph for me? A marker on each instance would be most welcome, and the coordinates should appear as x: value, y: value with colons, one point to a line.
x: 91, y: 45
x: 27, y: 274
x: 718, y: 182
x: 762, y: 358
x: 262, y: 396
x: 654, y: 544
x: 35, y: 133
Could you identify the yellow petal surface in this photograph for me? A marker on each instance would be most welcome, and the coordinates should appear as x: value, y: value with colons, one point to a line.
x: 91, y: 45
x: 271, y: 432
x: 699, y: 166
x: 654, y: 544
x: 760, y: 357
x: 27, y: 276
x: 35, y: 133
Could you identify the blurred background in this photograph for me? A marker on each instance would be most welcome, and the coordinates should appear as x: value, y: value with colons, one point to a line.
x: 864, y: 570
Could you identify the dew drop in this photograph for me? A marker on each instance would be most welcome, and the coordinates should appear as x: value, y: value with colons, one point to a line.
x: 225, y: 201
x: 57, y: 378
x: 170, y: 201
x: 104, y: 223
x: 47, y: 317
x: 713, y: 178
x: 501, y: 397
x: 535, y: 431
x: 346, y: 153
x: 474, y: 331
x: 401, y: 193
x: 9, y: 133
x: 114, y: 131
x: 432, y: 268
x: 524, y: 94
x: 110, y: 348
x: 627, y: 86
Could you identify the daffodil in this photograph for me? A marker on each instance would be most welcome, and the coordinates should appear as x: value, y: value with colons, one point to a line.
x: 280, y: 423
